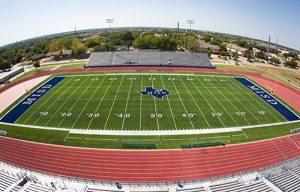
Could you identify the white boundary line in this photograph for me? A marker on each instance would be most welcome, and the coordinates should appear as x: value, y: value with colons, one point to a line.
x: 165, y: 132
x: 256, y: 84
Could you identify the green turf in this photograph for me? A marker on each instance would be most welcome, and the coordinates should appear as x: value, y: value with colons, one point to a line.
x: 162, y: 142
x: 113, y: 102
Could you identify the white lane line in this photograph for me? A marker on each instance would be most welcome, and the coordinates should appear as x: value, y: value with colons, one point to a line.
x: 113, y: 103
x: 82, y: 82
x: 45, y: 101
x: 86, y: 104
x: 239, y: 89
x: 156, y: 115
x: 182, y: 102
x: 141, y: 102
x: 196, y: 104
x: 99, y: 104
x: 231, y: 105
x: 77, y: 100
x: 125, y: 111
x: 238, y: 100
x: 169, y: 104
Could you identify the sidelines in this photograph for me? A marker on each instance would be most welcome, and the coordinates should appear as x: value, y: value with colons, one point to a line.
x: 272, y: 101
x: 161, y: 132
x: 26, y: 103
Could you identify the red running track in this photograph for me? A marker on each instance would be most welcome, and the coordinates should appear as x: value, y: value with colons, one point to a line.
x: 150, y: 165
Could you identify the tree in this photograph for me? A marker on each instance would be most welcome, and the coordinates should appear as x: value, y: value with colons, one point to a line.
x: 275, y: 60
x: 36, y: 64
x: 235, y: 55
x: 292, y: 64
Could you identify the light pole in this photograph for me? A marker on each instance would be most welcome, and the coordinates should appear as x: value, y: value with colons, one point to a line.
x: 190, y: 22
x: 110, y: 21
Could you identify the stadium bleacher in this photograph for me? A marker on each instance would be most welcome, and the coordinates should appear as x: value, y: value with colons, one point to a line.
x: 149, y: 58
x: 280, y: 178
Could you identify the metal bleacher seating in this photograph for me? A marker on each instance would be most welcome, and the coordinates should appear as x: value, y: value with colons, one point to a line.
x: 149, y: 58
x: 35, y: 187
x: 287, y: 181
x: 258, y: 186
x: 94, y: 189
x: 192, y: 189
x: 233, y: 186
x: 6, y: 181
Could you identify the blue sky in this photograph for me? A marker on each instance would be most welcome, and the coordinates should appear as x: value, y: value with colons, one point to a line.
x: 22, y: 19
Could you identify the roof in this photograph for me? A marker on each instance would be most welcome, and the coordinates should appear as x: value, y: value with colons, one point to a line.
x: 214, y: 46
x: 236, y: 47
x: 202, y: 44
x: 67, y: 52
x: 53, y: 53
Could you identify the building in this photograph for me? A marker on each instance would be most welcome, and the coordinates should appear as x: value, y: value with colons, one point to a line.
x: 38, y: 57
x: 215, y: 49
x: 235, y: 48
x: 202, y: 44
x: 259, y: 54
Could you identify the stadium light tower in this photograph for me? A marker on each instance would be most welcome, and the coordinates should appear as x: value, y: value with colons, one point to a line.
x: 190, y: 22
x: 110, y: 21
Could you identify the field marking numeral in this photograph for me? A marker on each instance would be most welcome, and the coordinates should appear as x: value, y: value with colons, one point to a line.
x: 261, y: 112
x: 94, y: 79
x: 65, y: 114
x: 127, y: 115
x: 77, y: 80
x: 190, y: 79
x: 153, y: 115
x: 191, y: 115
x: 208, y: 80
x: 223, y: 80
x: 171, y: 79
x: 112, y: 79
x: 44, y: 113
x: 93, y: 115
x: 151, y: 78
x: 216, y: 114
x: 240, y: 113
x: 131, y: 78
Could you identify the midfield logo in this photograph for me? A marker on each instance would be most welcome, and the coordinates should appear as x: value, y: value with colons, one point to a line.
x: 155, y: 92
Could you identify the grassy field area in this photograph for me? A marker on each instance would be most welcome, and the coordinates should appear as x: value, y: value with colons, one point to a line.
x: 162, y: 142
x: 115, y: 102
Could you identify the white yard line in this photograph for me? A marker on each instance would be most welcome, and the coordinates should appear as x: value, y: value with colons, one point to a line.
x: 182, y: 103
x: 230, y: 103
x: 44, y: 102
x: 195, y: 103
x: 141, y: 102
x: 240, y: 103
x: 157, y: 123
x: 95, y: 91
x: 169, y: 104
x: 99, y: 105
x: 245, y: 91
x: 74, y: 104
x: 113, y: 103
x: 217, y: 101
x: 161, y: 132
x: 126, y: 104
x: 64, y: 102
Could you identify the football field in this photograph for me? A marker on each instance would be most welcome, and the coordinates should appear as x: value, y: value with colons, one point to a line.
x: 145, y: 101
